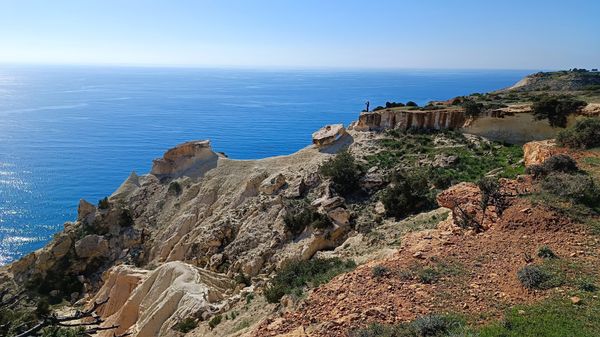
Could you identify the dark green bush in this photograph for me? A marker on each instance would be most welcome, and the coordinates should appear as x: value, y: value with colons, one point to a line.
x: 407, y: 194
x: 379, y: 271
x: 560, y: 163
x: 411, y: 103
x: 546, y: 253
x: 296, y: 275
x: 556, y: 109
x: 425, y: 326
x: 472, y: 108
x: 577, y: 188
x: 216, y: 320
x: 186, y: 325
x: 343, y: 171
x: 174, y: 188
x: 301, y: 215
x: 584, y: 134
x: 428, y: 275
x: 389, y: 105
x: 55, y: 331
x: 538, y: 277
x: 241, y: 278
x: 557, y: 163
x: 125, y: 219
x: 104, y: 203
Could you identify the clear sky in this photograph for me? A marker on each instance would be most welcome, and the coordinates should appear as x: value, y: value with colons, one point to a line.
x: 524, y: 34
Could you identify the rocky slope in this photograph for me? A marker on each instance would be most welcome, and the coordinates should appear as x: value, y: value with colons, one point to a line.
x: 200, y: 236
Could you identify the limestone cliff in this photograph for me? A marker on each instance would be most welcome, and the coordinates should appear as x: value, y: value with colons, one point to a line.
x: 407, y: 119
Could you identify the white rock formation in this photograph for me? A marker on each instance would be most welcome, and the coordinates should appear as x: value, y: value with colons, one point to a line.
x: 191, y: 158
x: 328, y: 135
x: 150, y: 303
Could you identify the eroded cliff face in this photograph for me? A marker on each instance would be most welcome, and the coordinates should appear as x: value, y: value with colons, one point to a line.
x: 167, y: 245
x: 401, y: 119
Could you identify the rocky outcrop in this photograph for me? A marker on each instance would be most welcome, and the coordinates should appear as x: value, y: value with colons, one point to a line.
x: 536, y: 153
x: 407, y: 119
x: 129, y: 186
x: 191, y: 158
x: 327, y: 135
x: 591, y: 110
x: 159, y: 299
x: 92, y: 246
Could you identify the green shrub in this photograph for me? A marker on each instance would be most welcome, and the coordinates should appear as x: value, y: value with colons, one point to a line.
x: 174, y: 188
x: 104, y: 203
x: 428, y: 275
x: 241, y: 278
x: 379, y: 271
x: 301, y: 215
x: 343, y: 171
x: 249, y: 298
x: 408, y: 193
x: 587, y: 285
x: 539, y: 277
x: 185, y: 325
x: 216, y: 320
x: 411, y: 103
x: 472, y: 109
x: 584, y: 134
x: 546, y: 253
x: 556, y: 109
x: 389, y: 105
x: 425, y: 326
x: 296, y: 275
x: 560, y: 163
x: 577, y: 188
x: 125, y: 219
x: 55, y: 331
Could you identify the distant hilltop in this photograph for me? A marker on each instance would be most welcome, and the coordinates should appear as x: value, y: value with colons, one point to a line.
x: 566, y: 80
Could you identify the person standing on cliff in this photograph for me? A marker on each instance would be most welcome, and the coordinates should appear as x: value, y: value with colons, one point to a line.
x: 367, y: 104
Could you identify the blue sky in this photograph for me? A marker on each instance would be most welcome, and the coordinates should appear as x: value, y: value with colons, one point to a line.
x: 523, y: 34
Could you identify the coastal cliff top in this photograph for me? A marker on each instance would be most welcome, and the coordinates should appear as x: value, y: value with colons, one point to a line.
x: 566, y: 80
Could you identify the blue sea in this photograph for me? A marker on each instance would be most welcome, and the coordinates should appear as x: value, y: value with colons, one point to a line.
x: 70, y: 132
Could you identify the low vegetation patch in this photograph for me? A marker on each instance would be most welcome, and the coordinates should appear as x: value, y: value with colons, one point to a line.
x: 297, y: 275
x: 555, y: 317
x: 216, y: 320
x: 539, y: 277
x: 425, y: 326
x: 584, y: 134
x: 185, y: 325
x: 471, y: 159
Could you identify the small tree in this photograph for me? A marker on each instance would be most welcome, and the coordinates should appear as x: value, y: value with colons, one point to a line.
x: 556, y: 109
x: 408, y: 193
x: 472, y: 109
x: 491, y: 195
x: 343, y: 171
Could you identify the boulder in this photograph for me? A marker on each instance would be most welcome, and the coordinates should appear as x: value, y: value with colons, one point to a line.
x: 92, y: 246
x: 192, y: 159
x: 537, y: 152
x: 86, y: 211
x: 340, y: 216
x: 327, y: 135
x: 272, y: 184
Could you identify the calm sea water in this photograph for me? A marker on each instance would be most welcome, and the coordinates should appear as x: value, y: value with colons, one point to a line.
x: 77, y: 132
